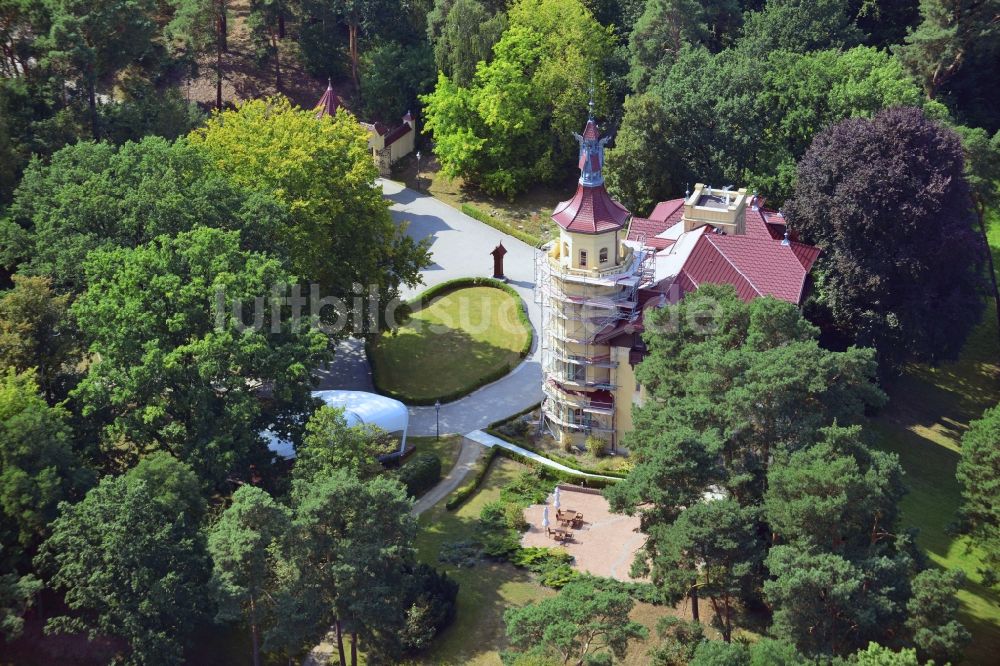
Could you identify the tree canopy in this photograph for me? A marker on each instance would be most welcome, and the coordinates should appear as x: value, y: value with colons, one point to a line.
x: 979, y: 473
x: 586, y: 620
x: 751, y: 473
x: 901, y: 268
x: 97, y: 195
x: 513, y: 125
x: 159, y: 317
x: 340, y: 233
x: 130, y: 567
x: 737, y: 118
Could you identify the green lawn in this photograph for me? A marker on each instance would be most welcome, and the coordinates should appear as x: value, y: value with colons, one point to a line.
x: 929, y: 410
x: 451, y: 346
x: 485, y: 590
x: 447, y: 449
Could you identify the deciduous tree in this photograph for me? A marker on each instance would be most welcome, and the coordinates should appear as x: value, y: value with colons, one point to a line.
x: 129, y: 567
x: 96, y: 195
x: 36, y: 332
x: 799, y: 26
x: 38, y: 466
x: 341, y: 235
x: 329, y: 445
x: 188, y: 373
x: 901, y: 269
x: 513, y: 126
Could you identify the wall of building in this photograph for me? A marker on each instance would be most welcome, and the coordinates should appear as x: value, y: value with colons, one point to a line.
x: 628, y: 395
x: 402, y: 146
x: 571, y: 244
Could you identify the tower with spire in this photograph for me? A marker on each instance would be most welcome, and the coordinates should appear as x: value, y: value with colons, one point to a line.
x: 587, y: 283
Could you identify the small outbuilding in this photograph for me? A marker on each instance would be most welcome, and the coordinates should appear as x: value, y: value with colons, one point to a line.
x: 360, y: 408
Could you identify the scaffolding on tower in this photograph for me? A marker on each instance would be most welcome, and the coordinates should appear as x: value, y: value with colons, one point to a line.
x: 599, y: 301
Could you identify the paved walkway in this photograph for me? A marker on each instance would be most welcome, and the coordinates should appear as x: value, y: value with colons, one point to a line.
x: 489, y: 440
x: 460, y: 247
x: 469, y: 455
x: 604, y: 544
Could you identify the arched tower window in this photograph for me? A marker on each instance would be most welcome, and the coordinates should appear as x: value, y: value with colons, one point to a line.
x: 603, y: 255
x: 583, y: 258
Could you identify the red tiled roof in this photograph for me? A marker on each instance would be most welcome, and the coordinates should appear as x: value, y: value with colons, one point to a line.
x: 667, y: 210
x: 665, y: 215
x: 591, y: 131
x: 397, y: 134
x: 756, y: 262
x: 756, y: 266
x: 328, y: 103
x: 590, y: 211
x: 376, y: 127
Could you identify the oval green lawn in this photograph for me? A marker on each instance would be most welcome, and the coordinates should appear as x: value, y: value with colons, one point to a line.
x: 452, y: 346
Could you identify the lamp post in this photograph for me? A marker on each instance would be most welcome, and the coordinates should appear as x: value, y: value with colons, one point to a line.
x: 418, y: 170
x: 437, y: 418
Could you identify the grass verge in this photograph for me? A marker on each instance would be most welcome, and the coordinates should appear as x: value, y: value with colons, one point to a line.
x: 929, y: 410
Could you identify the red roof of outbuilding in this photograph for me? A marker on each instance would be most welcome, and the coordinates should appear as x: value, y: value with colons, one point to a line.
x: 396, y: 134
x: 328, y: 103
x: 590, y: 211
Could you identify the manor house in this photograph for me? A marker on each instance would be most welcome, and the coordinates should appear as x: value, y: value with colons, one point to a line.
x: 607, y: 267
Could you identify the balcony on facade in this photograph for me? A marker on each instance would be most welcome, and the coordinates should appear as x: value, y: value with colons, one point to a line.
x: 578, y: 400
x: 599, y: 361
x: 612, y: 276
x: 574, y: 419
x: 576, y: 377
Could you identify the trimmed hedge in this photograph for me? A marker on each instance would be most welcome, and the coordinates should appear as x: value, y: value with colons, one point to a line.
x: 421, y: 474
x: 438, y: 291
x: 500, y: 225
x: 555, y: 457
x: 465, y: 492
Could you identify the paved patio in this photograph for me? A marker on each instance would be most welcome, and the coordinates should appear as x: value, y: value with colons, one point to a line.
x: 604, y: 545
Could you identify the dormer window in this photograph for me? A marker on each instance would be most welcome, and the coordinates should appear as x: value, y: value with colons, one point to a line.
x: 583, y: 258
x: 603, y: 255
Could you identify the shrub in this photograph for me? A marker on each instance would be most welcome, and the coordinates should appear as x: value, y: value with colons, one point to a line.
x: 551, y: 564
x: 430, y: 602
x: 530, y: 487
x: 519, y: 428
x: 501, y: 544
x: 420, y: 474
x: 461, y: 553
x: 567, y: 445
x: 596, y: 446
